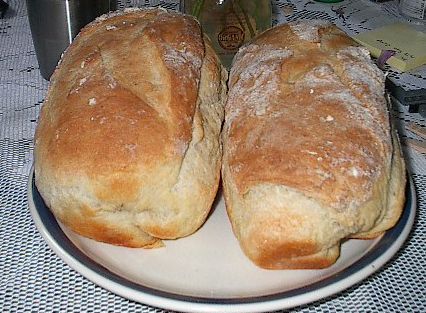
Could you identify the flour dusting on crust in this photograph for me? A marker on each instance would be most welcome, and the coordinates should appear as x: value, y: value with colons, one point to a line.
x: 185, y: 54
x: 308, y: 30
x: 255, y: 78
x: 333, y: 105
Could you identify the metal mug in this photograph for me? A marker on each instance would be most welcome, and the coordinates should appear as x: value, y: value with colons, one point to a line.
x: 55, y: 23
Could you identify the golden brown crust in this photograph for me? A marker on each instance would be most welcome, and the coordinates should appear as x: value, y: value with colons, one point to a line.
x: 306, y: 122
x: 96, y: 78
x: 117, y: 132
x: 272, y: 258
x: 307, y: 77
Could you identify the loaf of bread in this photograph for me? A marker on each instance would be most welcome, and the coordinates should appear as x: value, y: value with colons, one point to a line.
x: 127, y: 150
x: 310, y: 157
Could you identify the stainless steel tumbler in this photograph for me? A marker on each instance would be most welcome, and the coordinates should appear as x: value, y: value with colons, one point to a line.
x: 55, y: 23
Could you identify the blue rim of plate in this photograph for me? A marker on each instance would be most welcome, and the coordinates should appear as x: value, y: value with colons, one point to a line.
x: 369, y: 263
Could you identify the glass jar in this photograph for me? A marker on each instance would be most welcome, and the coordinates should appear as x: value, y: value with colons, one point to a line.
x: 230, y: 23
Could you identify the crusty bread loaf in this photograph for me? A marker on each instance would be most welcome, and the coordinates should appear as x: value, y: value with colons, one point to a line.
x: 309, y: 154
x: 128, y: 143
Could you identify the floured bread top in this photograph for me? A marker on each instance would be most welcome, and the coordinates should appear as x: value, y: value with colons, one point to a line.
x: 306, y: 109
x: 108, y: 109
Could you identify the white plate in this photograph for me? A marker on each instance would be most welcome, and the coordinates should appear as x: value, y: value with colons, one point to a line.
x: 207, y: 272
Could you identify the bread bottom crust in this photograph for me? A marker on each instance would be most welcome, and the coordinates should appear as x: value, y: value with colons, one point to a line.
x: 322, y: 259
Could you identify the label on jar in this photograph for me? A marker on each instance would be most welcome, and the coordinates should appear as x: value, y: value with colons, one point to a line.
x: 413, y: 8
x: 231, y: 38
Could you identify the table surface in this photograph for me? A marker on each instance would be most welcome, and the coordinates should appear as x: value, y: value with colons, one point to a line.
x: 33, y: 278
